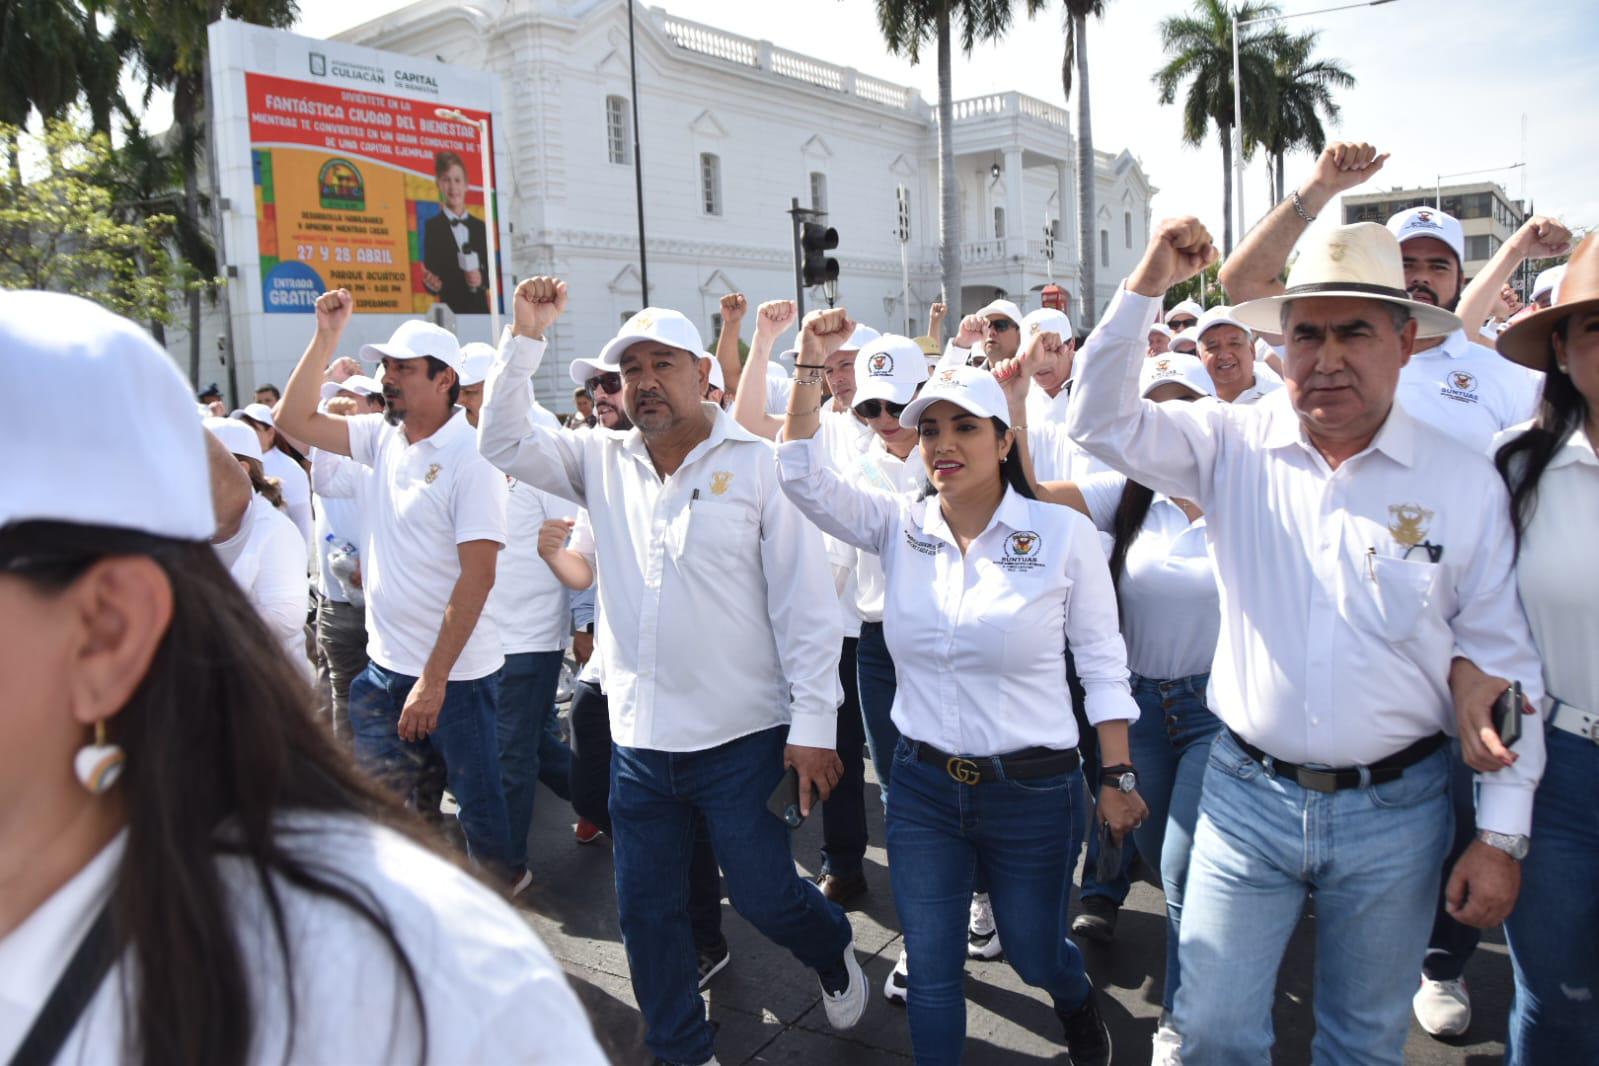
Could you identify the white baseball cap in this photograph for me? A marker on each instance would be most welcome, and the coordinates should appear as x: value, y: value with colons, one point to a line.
x: 659, y: 324
x: 1046, y: 320
x: 889, y: 368
x: 1429, y: 222
x: 1182, y: 306
x: 1002, y: 307
x: 1186, y: 336
x: 1220, y: 315
x: 1185, y: 370
x: 417, y: 339
x: 359, y: 384
x: 862, y: 336
x: 256, y: 412
x: 64, y: 355
x: 476, y: 358
x: 970, y: 388
x: 1163, y: 329
x: 239, y: 438
x: 1547, y: 281
x: 718, y: 379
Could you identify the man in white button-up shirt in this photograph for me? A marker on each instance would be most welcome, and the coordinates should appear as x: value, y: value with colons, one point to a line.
x: 701, y: 560
x: 1357, y: 552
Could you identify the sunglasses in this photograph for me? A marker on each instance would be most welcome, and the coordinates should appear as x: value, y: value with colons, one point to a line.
x: 1182, y: 323
x: 607, y: 382
x: 1001, y: 325
x: 870, y: 409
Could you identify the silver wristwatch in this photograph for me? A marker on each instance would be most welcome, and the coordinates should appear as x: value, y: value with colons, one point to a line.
x: 1514, y: 846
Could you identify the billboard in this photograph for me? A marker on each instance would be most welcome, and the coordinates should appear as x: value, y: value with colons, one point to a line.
x: 338, y: 170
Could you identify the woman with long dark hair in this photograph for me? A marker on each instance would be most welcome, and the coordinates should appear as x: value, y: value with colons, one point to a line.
x: 1552, y: 471
x: 195, y: 874
x: 984, y: 587
x: 1170, y: 618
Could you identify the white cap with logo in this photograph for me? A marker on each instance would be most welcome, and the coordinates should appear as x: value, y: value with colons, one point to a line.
x: 659, y: 324
x: 1220, y: 315
x: 64, y: 356
x: 1046, y: 320
x: 1178, y: 368
x: 1007, y: 308
x: 417, y: 339
x: 889, y: 368
x: 1429, y: 222
x: 239, y: 438
x: 970, y: 388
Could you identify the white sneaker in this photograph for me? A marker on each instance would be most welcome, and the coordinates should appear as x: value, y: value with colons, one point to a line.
x: 523, y: 884
x: 1166, y: 1048
x: 1443, y: 1008
x: 845, y: 1008
x: 982, y: 936
x: 894, y: 986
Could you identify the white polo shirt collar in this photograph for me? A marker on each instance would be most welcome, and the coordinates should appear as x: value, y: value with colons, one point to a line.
x: 1011, y: 513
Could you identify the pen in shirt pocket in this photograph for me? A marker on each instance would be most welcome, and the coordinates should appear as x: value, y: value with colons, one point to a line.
x: 692, y: 498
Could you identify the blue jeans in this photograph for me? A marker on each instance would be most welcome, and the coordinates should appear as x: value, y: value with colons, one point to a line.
x: 1116, y: 888
x: 1451, y: 944
x: 531, y: 748
x: 874, y: 672
x: 1170, y: 744
x: 1023, y: 834
x: 1371, y: 854
x: 463, y: 740
x: 844, y: 813
x: 1554, y: 930
x: 654, y: 798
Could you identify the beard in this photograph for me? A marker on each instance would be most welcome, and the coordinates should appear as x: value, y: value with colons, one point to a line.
x: 393, y: 411
x: 1432, y: 295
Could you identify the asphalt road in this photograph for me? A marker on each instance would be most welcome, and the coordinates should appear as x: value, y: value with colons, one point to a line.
x: 769, y: 1009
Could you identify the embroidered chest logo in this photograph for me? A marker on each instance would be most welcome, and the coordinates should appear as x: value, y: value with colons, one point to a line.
x: 1460, y: 385
x: 720, y: 481
x: 880, y: 365
x: 924, y: 547
x: 432, y: 474
x: 1408, y: 523
x: 1022, y: 551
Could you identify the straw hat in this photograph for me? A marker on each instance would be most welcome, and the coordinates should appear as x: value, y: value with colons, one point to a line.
x: 1360, y: 261
x: 1527, y: 341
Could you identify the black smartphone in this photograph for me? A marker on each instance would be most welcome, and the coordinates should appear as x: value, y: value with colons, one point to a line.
x: 1507, y: 712
x: 1110, y: 855
x: 784, y: 800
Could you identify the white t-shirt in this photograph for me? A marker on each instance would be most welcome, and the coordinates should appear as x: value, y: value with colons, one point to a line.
x: 1468, y: 391
x: 267, y: 558
x: 528, y: 603
x: 425, y: 499
x: 296, y: 489
x: 490, y: 989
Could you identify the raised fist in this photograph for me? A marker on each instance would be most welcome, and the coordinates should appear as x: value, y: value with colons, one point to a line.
x: 539, y: 302
x: 971, y: 331
x: 734, y: 305
x: 1542, y: 237
x: 343, y: 369
x: 343, y: 406
x: 333, y: 310
x: 552, y: 536
x: 773, y: 317
x: 1343, y: 165
x: 824, y: 333
x: 1179, y: 249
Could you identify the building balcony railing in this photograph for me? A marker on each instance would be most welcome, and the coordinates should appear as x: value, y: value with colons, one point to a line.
x: 1010, y: 251
x: 999, y: 105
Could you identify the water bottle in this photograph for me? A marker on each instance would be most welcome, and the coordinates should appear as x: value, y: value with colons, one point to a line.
x: 344, y: 560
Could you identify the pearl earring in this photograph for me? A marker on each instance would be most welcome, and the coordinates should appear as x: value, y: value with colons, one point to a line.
x: 98, y: 765
x: 1562, y: 367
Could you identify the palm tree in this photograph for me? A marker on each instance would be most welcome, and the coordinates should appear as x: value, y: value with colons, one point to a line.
x: 170, y: 42
x: 906, y: 25
x: 1077, y: 14
x: 1199, y: 51
x: 1303, y: 95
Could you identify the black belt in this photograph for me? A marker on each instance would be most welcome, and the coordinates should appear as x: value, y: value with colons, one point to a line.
x: 1017, y: 765
x: 1318, y: 779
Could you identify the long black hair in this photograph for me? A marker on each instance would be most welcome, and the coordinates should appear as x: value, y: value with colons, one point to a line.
x: 1010, y: 469
x: 1522, y: 461
x: 221, y: 739
x: 1131, y: 510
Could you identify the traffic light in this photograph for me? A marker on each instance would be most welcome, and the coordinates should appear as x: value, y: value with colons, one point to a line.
x: 816, y: 267
x: 903, y: 195
x: 1049, y: 240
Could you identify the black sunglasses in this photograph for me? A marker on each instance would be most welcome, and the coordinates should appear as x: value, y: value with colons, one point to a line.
x: 1001, y: 325
x: 1183, y: 323
x: 610, y: 381
x: 870, y: 409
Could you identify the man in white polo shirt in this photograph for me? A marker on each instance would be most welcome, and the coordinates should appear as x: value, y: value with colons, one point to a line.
x: 696, y: 549
x: 1227, y: 350
x: 1358, y: 552
x: 435, y: 524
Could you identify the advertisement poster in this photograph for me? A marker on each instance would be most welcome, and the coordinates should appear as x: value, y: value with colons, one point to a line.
x: 369, y: 192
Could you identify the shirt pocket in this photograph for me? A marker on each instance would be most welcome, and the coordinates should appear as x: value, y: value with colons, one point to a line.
x: 1396, y: 596
x: 714, y: 532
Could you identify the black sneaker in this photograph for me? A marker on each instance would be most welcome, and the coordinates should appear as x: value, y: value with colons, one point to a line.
x: 1097, y: 919
x: 712, y: 961
x: 1087, y: 1036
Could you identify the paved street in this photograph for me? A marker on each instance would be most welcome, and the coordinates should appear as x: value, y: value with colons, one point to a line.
x: 769, y: 1007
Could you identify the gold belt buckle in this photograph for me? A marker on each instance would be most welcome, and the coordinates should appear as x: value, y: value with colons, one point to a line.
x: 963, y: 770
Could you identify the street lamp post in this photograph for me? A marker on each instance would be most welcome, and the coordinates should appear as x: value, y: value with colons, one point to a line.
x: 491, y: 222
x: 1238, y: 96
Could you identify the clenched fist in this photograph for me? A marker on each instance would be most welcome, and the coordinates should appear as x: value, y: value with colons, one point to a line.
x: 824, y: 333
x: 774, y: 317
x: 1542, y: 237
x: 1343, y: 165
x: 553, y: 535
x: 1179, y: 249
x: 538, y: 302
x: 734, y: 304
x: 333, y: 311
x: 971, y: 331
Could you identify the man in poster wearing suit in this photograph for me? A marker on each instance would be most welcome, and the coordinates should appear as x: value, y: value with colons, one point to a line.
x: 455, y: 244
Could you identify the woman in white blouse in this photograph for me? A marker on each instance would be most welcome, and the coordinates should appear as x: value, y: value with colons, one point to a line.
x: 1552, y: 471
x: 984, y: 588
x: 1170, y: 616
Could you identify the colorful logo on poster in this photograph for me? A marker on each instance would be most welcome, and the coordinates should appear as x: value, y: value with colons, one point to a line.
x: 291, y: 287
x: 341, y: 187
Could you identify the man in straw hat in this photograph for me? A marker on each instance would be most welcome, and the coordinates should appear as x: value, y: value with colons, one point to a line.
x: 1357, y: 551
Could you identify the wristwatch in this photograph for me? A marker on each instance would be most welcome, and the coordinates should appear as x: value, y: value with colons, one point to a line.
x: 1123, y: 778
x: 1515, y: 846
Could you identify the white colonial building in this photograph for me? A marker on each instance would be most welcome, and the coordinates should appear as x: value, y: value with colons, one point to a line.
x: 731, y: 130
